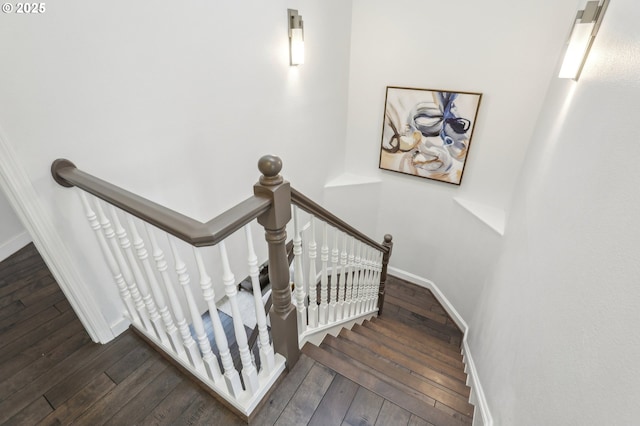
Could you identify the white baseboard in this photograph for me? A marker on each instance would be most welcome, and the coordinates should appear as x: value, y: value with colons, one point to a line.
x: 482, y: 416
x: 14, y: 244
x: 120, y: 326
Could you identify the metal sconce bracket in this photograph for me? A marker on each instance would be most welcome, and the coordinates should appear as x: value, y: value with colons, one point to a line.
x: 296, y: 37
x: 593, y: 13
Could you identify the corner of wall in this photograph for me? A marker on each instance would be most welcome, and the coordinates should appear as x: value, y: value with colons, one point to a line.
x: 24, y: 200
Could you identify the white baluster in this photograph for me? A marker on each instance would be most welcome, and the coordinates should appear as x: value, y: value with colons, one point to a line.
x: 249, y: 373
x: 343, y: 279
x: 362, y: 293
x: 376, y: 280
x: 334, y: 278
x: 111, y: 261
x: 208, y: 359
x: 357, y: 280
x: 267, y: 360
x: 158, y: 295
x: 365, y: 278
x: 313, y: 279
x: 369, y: 293
x: 350, y: 273
x: 124, y: 267
x: 231, y: 376
x: 125, y: 244
x: 188, y: 349
x: 298, y: 274
x: 324, y: 277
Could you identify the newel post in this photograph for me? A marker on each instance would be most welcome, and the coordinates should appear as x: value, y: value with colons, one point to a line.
x: 383, y: 275
x: 284, y: 327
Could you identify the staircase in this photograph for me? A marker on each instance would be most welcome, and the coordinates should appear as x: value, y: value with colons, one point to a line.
x: 410, y: 356
x: 168, y: 280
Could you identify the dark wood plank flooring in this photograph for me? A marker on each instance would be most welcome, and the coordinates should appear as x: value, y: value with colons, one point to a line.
x: 406, y: 364
x: 51, y: 372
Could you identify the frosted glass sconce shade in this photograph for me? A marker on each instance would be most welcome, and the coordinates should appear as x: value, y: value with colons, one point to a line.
x: 583, y: 33
x: 296, y: 38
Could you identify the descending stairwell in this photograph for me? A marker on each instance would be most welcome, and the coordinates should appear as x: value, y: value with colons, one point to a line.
x: 410, y: 356
x: 408, y: 361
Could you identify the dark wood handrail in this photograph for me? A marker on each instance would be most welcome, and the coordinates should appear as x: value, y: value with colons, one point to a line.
x: 315, y: 209
x: 183, y: 227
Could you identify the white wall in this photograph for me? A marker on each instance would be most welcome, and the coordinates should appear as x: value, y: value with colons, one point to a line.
x: 556, y: 336
x: 506, y: 50
x: 552, y: 305
x: 175, y: 102
x: 12, y: 234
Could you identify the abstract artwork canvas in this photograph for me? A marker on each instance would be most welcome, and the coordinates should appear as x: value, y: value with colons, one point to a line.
x: 427, y: 133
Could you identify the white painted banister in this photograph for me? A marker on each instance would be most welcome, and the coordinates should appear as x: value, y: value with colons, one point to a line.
x: 347, y: 284
x: 139, y: 278
x: 158, y: 296
x: 360, y: 277
x: 343, y: 279
x: 110, y: 259
x: 188, y: 347
x: 249, y: 373
x: 266, y: 349
x: 368, y: 264
x: 334, y: 279
x: 110, y: 234
x: 346, y: 290
x: 313, y: 277
x: 350, y: 304
x: 208, y: 359
x: 376, y: 279
x: 231, y: 376
x: 324, y: 276
x: 300, y: 291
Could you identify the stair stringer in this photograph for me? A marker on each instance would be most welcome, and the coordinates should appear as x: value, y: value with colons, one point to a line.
x: 316, y: 335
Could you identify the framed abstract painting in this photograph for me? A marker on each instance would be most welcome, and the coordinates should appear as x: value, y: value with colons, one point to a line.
x: 427, y: 133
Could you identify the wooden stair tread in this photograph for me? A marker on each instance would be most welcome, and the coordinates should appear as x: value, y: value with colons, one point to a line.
x: 414, y: 338
x: 426, y: 353
x: 447, y: 333
x: 383, y: 365
x: 414, y: 293
x: 413, y: 307
x: 410, y: 361
x: 369, y: 381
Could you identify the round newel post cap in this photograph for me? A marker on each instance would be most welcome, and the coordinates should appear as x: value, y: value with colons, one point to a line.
x: 387, y: 238
x: 270, y: 167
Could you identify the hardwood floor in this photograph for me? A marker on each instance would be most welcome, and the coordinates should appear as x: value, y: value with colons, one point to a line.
x: 406, y: 362
x: 51, y: 372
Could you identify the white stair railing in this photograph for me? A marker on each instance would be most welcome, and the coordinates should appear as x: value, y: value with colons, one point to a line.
x: 110, y: 260
x: 138, y: 277
x: 267, y: 360
x: 346, y: 282
x: 177, y: 327
x: 299, y: 282
x: 186, y: 324
x: 231, y: 376
x: 249, y: 372
x: 313, y: 277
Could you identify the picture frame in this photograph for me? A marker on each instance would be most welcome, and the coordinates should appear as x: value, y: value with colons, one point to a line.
x: 427, y: 132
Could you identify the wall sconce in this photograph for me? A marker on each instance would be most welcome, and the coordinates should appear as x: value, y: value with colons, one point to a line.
x: 296, y: 38
x: 584, y: 31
